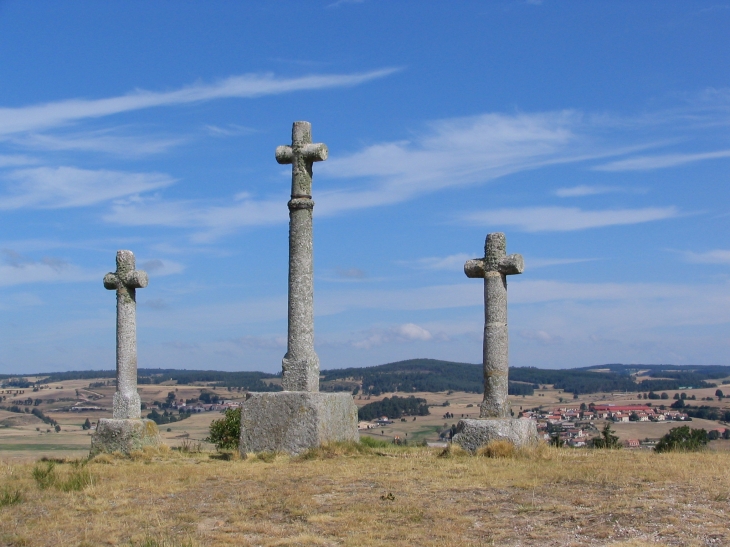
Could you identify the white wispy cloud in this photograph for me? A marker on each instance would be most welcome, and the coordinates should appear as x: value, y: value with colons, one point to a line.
x: 448, y: 153
x: 157, y: 267
x: 456, y: 262
x: 540, y: 336
x: 16, y: 160
x: 531, y: 262
x: 59, y: 187
x: 17, y: 269
x: 645, y: 163
x: 584, y: 190
x: 451, y: 262
x: 563, y: 219
x: 39, y: 117
x: 452, y: 152
x: 408, y: 332
x: 230, y: 130
x: 99, y: 141
x: 211, y: 220
x: 717, y: 256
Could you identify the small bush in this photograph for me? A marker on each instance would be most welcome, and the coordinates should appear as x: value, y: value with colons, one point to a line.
x: 76, y: 481
x: 45, y: 476
x: 682, y: 439
x: 190, y: 447
x: 266, y: 456
x: 10, y: 497
x: 498, y: 449
x: 370, y: 442
x: 607, y: 439
x: 453, y: 451
x: 338, y: 449
x: 226, y: 432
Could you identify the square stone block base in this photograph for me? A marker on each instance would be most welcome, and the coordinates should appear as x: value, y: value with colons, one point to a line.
x: 124, y: 436
x: 293, y: 421
x: 471, y: 434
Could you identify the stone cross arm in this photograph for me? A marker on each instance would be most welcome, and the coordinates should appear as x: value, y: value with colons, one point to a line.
x: 126, y: 275
x: 310, y: 152
x: 301, y: 154
x: 507, y: 265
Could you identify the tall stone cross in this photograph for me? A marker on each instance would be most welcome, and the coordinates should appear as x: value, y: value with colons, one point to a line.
x: 125, y: 281
x: 494, y: 268
x: 300, y: 366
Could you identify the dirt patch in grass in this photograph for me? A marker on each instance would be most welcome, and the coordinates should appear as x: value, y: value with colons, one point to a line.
x: 378, y: 496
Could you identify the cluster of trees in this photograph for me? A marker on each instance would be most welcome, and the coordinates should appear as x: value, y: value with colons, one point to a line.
x: 574, y: 380
x: 671, y: 384
x: 251, y: 381
x: 518, y: 388
x: 413, y: 375
x: 702, y: 412
x: 38, y: 413
x: 394, y: 407
x: 683, y: 439
x: 166, y: 417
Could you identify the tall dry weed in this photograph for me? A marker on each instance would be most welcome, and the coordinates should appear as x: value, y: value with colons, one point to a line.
x: 498, y: 449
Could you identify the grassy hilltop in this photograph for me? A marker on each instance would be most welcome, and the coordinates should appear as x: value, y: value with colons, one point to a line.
x: 354, y: 495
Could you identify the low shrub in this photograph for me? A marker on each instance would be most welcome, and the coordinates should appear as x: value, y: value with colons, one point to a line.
x: 453, y: 451
x: 498, y: 449
x: 45, y: 476
x: 225, y: 433
x: 370, y: 442
x: 79, y: 478
x: 683, y: 439
x: 10, y: 497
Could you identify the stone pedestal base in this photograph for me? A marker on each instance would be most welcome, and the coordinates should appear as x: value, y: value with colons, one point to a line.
x: 293, y: 421
x: 124, y: 436
x: 472, y: 434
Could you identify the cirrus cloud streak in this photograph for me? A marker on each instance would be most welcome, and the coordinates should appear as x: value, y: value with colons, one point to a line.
x: 565, y: 219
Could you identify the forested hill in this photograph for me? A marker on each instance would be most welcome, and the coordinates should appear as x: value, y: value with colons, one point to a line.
x: 436, y: 375
x: 431, y: 375
x: 411, y: 375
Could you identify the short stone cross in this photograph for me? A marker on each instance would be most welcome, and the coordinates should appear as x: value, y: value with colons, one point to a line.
x: 300, y: 366
x: 125, y: 281
x: 494, y: 268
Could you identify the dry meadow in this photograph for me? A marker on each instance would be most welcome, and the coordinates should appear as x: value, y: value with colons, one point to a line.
x: 352, y: 495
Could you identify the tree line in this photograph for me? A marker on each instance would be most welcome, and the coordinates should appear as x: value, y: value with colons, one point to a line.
x: 394, y: 408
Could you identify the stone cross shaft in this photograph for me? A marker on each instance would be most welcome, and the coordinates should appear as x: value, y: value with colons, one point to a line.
x: 300, y: 366
x: 494, y: 268
x: 125, y: 281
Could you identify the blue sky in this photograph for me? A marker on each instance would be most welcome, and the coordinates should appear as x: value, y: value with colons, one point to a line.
x: 596, y: 135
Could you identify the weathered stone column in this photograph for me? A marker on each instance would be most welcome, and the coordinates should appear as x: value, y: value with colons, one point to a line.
x: 126, y: 431
x: 496, y: 422
x: 494, y: 268
x: 126, y: 280
x: 300, y: 366
x: 301, y: 417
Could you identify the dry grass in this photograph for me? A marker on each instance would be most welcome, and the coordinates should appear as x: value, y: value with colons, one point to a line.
x: 351, y: 495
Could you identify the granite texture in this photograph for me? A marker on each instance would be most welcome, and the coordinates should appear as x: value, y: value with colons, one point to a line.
x: 292, y: 422
x: 124, y: 436
x: 300, y: 365
x: 471, y: 434
x: 494, y: 268
x: 125, y: 281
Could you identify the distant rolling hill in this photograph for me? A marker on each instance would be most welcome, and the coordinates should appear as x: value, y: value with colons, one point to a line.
x: 430, y: 375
